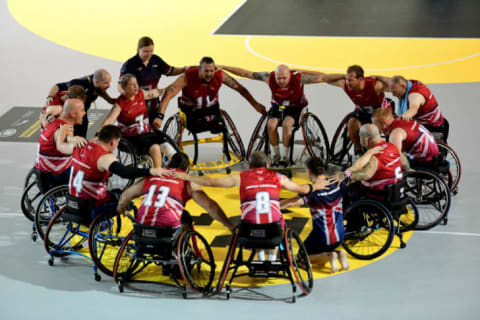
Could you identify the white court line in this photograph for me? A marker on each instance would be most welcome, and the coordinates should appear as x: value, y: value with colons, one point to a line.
x: 4, y: 215
x: 453, y: 233
x: 247, y: 44
x: 228, y: 17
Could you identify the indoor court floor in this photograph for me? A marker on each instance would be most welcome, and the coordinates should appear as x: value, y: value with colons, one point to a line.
x: 436, y: 42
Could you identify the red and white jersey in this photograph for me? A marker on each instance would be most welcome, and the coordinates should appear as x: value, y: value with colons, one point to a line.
x: 260, y: 195
x: 133, y: 119
x: 292, y: 95
x: 389, y: 168
x: 419, y: 143
x: 428, y: 114
x: 367, y: 100
x: 86, y: 181
x: 49, y: 159
x: 200, y: 94
x: 163, y: 201
x: 56, y: 101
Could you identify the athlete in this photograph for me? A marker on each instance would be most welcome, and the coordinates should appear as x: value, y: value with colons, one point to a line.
x: 55, y: 106
x: 131, y: 114
x: 287, y: 104
x: 327, y: 219
x: 417, y: 102
x: 164, y: 198
x: 148, y: 68
x: 365, y: 92
x: 408, y: 136
x: 95, y: 85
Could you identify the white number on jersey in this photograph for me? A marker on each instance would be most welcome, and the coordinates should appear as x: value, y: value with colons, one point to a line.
x: 398, y: 173
x: 78, y: 181
x: 139, y: 119
x: 161, y: 196
x: 263, y: 202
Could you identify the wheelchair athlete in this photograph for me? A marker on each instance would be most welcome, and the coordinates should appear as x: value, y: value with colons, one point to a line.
x: 54, y: 107
x: 131, y: 113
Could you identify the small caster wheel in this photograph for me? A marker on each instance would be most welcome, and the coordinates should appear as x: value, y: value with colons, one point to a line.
x: 120, y: 287
x: 34, y: 237
x: 228, y: 291
x: 403, y: 245
x: 228, y: 170
x: 184, y: 295
x: 445, y: 221
x: 97, y: 277
x: 200, y: 173
x: 50, y: 262
x: 294, y: 299
x: 455, y: 192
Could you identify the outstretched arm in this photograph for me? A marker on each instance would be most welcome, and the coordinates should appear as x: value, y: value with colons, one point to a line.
x: 153, y: 93
x: 292, y: 202
x: 262, y: 76
x: 128, y: 195
x: 362, y: 174
x: 224, y: 182
x: 310, y: 76
x: 171, y: 91
x: 365, y: 158
x: 232, y: 83
x: 415, y: 101
x: 112, y: 116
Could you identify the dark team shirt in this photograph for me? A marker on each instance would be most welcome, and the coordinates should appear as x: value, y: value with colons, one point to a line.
x: 87, y: 84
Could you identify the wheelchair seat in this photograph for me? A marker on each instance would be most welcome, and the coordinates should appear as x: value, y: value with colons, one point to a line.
x: 396, y: 199
x: 154, y: 240
x: 79, y: 210
x: 262, y: 236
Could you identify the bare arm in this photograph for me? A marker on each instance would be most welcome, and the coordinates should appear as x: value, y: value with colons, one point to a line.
x: 53, y: 91
x: 232, y: 83
x: 397, y: 136
x: 366, y: 172
x: 106, y: 96
x: 223, y: 182
x: 262, y: 76
x: 153, y: 93
x: 294, y: 187
x: 292, y: 202
x: 404, y: 161
x: 177, y: 71
x: 112, y: 116
x: 365, y: 158
x: 62, y: 144
x: 171, y: 91
x: 128, y: 195
x: 385, y: 80
x: 415, y: 101
x: 381, y: 87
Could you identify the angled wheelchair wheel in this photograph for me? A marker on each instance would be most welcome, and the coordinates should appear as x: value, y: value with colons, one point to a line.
x: 315, y: 137
x: 299, y: 261
x: 409, y: 218
x: 430, y: 195
x: 369, y: 229
x: 173, y: 129
x: 29, y: 178
x: 259, y: 139
x: 228, y: 261
x: 341, y: 147
x: 126, y: 155
x: 455, y: 172
x: 104, y: 241
x: 196, y: 261
x: 234, y: 140
x: 51, y: 203
x: 30, y: 198
x: 126, y: 266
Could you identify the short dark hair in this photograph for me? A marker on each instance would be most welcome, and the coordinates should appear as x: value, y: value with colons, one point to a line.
x: 179, y: 161
x: 109, y: 133
x: 144, y: 42
x: 357, y: 70
x: 77, y: 92
x: 315, y: 165
x: 258, y: 160
x: 206, y: 60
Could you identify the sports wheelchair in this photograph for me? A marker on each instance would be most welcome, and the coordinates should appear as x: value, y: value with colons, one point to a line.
x: 315, y: 140
x: 224, y: 132
x: 77, y: 223
x: 184, y: 255
x: 370, y: 225
x: 341, y: 149
x: 292, y: 262
x: 454, y: 173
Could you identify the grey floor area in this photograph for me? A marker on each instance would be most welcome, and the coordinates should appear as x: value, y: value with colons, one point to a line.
x: 435, y: 277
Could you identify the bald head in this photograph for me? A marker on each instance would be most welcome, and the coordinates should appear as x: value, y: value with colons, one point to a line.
x: 73, y: 111
x: 398, y: 86
x: 258, y: 159
x: 282, y: 75
x: 369, y: 135
x: 101, y: 79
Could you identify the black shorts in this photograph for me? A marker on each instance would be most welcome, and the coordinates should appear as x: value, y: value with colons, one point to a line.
x: 294, y: 112
x: 47, y: 181
x: 142, y: 142
x: 314, y: 245
x: 444, y: 129
x: 363, y: 116
x: 203, y: 119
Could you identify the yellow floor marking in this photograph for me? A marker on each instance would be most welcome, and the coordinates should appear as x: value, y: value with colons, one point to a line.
x: 182, y: 31
x: 31, y: 130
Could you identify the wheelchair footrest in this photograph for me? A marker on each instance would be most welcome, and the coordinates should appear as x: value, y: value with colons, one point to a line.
x: 264, y: 268
x: 170, y: 268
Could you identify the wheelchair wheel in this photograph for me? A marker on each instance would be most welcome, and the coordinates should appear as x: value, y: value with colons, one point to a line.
x: 430, y: 195
x: 259, y: 139
x: 369, y: 229
x: 315, y: 137
x: 341, y: 147
x: 299, y: 261
x: 53, y: 201
x: 453, y: 160
x: 29, y: 178
x: 126, y: 266
x: 228, y: 261
x: 409, y: 218
x: 196, y: 261
x: 104, y: 241
x: 125, y: 153
x: 63, y: 235
x: 234, y: 140
x: 30, y: 199
x: 173, y: 129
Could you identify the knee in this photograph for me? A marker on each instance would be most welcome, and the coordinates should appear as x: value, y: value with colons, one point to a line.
x: 353, y: 125
x: 154, y: 149
x: 272, y: 125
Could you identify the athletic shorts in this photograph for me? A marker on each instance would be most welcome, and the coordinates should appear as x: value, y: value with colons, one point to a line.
x: 294, y: 112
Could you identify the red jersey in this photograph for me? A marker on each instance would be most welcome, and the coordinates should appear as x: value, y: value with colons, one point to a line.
x: 86, y: 181
x: 260, y: 196
x: 163, y: 201
x: 56, y: 101
x: 428, y: 114
x: 133, y: 119
x: 389, y: 168
x: 200, y: 94
x: 49, y: 159
x: 367, y: 99
x: 292, y: 95
x: 420, y: 143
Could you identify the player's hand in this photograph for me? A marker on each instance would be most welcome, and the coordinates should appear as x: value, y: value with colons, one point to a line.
x: 160, y: 172
x: 406, y: 116
x: 79, y: 141
x: 321, y: 184
x: 179, y: 175
x: 260, y: 108
x: 157, y: 123
x: 375, y: 150
x: 337, y: 177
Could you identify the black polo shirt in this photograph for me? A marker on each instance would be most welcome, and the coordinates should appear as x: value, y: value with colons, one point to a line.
x: 87, y: 84
x: 149, y: 75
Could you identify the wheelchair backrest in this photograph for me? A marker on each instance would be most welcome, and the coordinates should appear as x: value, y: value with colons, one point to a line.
x: 154, y: 240
x: 263, y: 236
x: 79, y: 210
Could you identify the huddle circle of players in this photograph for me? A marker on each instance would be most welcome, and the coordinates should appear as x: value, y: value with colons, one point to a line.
x: 66, y: 157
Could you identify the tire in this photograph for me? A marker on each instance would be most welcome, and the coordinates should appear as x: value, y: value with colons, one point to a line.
x: 227, y: 262
x: 452, y: 158
x: 369, y: 229
x: 30, y: 178
x: 431, y: 196
x: 259, y: 139
x: 173, y: 129
x: 30, y: 198
x: 54, y: 200
x: 341, y: 147
x: 315, y: 137
x: 126, y: 155
x: 104, y: 241
x: 408, y: 220
x: 234, y: 140
x: 299, y: 261
x: 125, y: 259
x: 196, y: 262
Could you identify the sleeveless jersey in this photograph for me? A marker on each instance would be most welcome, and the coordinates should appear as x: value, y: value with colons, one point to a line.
x: 133, y: 119
x: 163, y: 201
x: 49, y: 159
x: 420, y: 144
x: 428, y: 114
x: 86, y: 181
x: 260, y: 196
x: 199, y: 94
x: 292, y: 95
x: 366, y: 100
x: 389, y: 168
